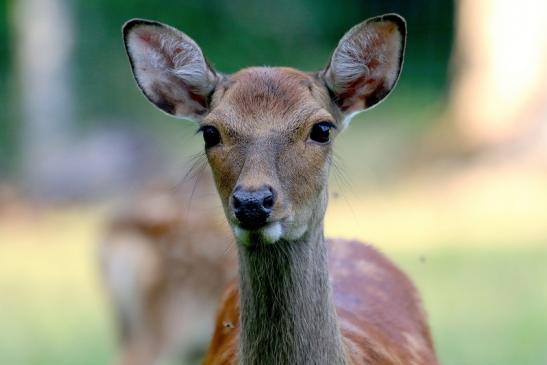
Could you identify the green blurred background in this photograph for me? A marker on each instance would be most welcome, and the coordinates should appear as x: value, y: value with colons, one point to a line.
x: 461, y: 207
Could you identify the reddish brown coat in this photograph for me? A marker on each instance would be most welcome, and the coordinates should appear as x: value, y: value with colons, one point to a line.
x: 379, y: 312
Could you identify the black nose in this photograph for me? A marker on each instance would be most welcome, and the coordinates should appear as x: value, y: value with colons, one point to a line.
x: 252, y: 208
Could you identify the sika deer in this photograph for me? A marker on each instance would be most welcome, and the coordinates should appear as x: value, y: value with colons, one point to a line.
x: 165, y: 267
x: 269, y: 136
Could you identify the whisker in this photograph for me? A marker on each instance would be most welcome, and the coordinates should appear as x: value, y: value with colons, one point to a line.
x: 342, y: 180
x: 196, y: 180
x: 196, y: 163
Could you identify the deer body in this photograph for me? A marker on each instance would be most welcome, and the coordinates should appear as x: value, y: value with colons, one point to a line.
x: 268, y: 136
x: 164, y: 267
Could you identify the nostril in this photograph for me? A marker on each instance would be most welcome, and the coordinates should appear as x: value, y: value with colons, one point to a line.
x: 268, y: 202
x: 268, y: 199
x: 236, y: 202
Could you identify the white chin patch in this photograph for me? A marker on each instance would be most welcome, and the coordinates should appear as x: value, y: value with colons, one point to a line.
x: 271, y: 233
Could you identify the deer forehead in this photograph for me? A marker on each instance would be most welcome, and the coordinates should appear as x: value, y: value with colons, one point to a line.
x: 262, y: 101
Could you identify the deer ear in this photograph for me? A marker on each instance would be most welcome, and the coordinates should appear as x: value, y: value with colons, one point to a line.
x: 365, y: 66
x: 170, y: 68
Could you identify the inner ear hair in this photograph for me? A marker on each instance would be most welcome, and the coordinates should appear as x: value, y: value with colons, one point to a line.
x: 367, y: 62
x: 170, y: 68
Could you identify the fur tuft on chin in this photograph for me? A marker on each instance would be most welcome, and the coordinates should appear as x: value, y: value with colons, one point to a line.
x: 270, y: 234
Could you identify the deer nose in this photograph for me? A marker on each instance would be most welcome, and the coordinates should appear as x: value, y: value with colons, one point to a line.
x: 253, y: 207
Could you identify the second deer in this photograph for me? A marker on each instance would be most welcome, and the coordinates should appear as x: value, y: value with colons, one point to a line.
x: 164, y: 265
x: 269, y: 136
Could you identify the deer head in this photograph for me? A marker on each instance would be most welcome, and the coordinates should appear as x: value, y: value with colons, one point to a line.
x: 268, y: 132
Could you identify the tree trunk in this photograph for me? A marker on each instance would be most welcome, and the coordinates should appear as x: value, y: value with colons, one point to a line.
x: 500, y: 85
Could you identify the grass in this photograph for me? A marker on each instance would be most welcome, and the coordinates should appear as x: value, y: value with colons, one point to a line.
x: 484, y: 289
x: 51, y: 306
x: 486, y: 307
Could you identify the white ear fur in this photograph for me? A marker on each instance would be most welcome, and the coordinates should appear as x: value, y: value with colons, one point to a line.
x: 367, y: 62
x: 169, y: 68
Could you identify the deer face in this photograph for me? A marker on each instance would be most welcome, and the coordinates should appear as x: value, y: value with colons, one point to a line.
x: 269, y: 142
x: 268, y: 132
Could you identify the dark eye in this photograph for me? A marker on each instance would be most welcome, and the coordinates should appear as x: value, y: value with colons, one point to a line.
x: 211, y: 136
x: 320, y: 132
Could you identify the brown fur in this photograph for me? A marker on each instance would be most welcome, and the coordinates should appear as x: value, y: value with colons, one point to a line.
x: 379, y: 312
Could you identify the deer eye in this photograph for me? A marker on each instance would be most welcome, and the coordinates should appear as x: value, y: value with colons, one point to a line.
x: 211, y: 136
x: 320, y: 132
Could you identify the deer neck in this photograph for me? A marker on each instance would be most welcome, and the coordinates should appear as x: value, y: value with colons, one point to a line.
x: 287, y: 311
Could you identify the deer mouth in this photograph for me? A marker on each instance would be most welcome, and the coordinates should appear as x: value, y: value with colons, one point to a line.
x: 267, y: 234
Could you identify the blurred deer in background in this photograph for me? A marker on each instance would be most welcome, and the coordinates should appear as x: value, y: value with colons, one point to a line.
x: 165, y: 265
x: 269, y: 141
